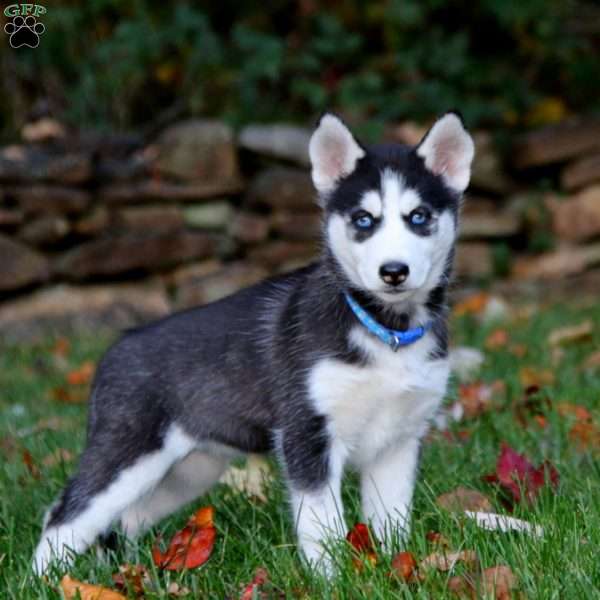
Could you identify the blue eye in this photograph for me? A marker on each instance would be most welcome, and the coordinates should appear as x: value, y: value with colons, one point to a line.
x: 419, y: 217
x: 363, y: 221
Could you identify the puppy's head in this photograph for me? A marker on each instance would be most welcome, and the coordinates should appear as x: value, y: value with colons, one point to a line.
x: 391, y: 211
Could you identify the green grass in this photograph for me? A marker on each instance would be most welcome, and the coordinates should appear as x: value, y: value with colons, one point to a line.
x: 563, y: 564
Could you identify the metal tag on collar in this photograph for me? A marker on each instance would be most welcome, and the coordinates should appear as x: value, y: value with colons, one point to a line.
x: 395, y: 343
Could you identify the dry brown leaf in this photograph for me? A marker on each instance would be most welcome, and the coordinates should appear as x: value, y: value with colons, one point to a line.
x: 60, y: 455
x: 51, y: 424
x: 474, y: 304
x: 87, y: 591
x: 499, y: 582
x: 477, y: 398
x: 66, y: 395
x: 586, y: 436
x: 581, y: 413
x: 536, y: 378
x: 438, y: 539
x: 177, y: 591
x: 497, y: 339
x: 404, y: 566
x: 82, y: 375
x: 61, y: 347
x: 445, y: 561
x: 31, y: 465
x: 132, y: 578
x: 572, y: 333
x: 462, y: 499
x: 518, y: 350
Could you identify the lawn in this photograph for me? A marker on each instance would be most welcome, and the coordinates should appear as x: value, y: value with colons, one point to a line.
x: 41, y: 414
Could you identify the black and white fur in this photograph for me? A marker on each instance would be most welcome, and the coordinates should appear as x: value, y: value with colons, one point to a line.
x: 285, y: 365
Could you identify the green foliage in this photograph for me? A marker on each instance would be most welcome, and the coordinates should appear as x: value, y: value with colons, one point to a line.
x: 106, y: 62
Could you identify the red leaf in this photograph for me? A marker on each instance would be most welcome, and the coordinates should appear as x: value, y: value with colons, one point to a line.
x: 260, y: 578
x: 190, y: 547
x: 404, y: 566
x: 517, y: 475
x: 361, y: 540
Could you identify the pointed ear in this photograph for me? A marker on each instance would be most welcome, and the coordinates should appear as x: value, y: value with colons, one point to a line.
x: 333, y: 153
x: 448, y: 151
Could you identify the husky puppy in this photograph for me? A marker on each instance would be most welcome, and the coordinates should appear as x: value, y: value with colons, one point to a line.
x: 343, y: 362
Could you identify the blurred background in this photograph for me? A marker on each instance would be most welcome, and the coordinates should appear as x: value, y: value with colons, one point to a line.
x: 154, y: 155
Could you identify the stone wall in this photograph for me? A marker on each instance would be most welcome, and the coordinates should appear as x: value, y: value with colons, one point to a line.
x: 115, y: 230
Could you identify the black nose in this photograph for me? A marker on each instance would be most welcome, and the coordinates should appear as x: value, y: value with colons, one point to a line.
x: 394, y: 273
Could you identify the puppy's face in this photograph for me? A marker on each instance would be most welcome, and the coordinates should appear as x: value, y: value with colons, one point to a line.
x: 391, y: 211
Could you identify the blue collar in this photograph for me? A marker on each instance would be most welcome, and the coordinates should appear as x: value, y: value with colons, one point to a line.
x: 392, y: 337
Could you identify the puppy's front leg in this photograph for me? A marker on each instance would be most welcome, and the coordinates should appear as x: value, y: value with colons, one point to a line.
x: 314, y: 470
x: 387, y: 486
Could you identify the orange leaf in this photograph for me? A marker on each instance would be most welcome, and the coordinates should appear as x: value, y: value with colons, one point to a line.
x: 69, y: 396
x: 82, y: 375
x: 404, y: 566
x: 586, y: 436
x: 61, y: 347
x: 581, y: 413
x: 190, y: 547
x: 462, y: 499
x: 477, y: 398
x: 474, y: 304
x: 70, y: 587
x: 535, y: 378
x: 260, y: 578
x: 497, y: 339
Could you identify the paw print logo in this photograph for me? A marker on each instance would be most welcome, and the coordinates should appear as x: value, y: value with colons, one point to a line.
x: 24, y: 31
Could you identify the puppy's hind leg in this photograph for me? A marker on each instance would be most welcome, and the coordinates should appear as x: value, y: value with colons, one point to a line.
x: 111, y: 477
x: 186, y: 480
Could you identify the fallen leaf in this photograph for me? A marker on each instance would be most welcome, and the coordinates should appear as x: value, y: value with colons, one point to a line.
x: 473, y: 304
x: 477, y: 398
x: 463, y: 586
x: 586, y: 436
x: 59, y: 456
x: 497, y: 339
x: 536, y: 378
x: 65, y: 395
x: 50, y: 423
x: 61, y: 347
x: 253, y: 479
x: 177, y: 591
x: 29, y: 462
x: 132, y: 579
x: 462, y: 499
x: 361, y: 541
x: 573, y: 333
x: 518, y: 350
x: 499, y: 582
x: 580, y: 413
x: 82, y: 375
x: 515, y: 474
x: 87, y: 591
x: 404, y: 566
x: 260, y: 578
x: 533, y: 403
x: 445, y: 561
x: 496, y: 522
x: 190, y: 547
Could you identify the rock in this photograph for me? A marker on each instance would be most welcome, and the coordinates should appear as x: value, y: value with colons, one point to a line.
x: 197, y: 150
x: 296, y: 225
x: 279, y: 255
x: 482, y: 219
x: 21, y: 266
x: 192, y: 272
x: 220, y: 284
x: 10, y: 217
x: 43, y: 130
x: 474, y: 260
x: 250, y: 228
x: 564, y: 261
x: 34, y: 165
x: 556, y: 143
x: 581, y: 172
x: 214, y: 215
x: 149, y: 218
x: 42, y: 199
x: 132, y: 252
x: 160, y: 191
x: 45, y: 230
x: 93, y: 223
x: 578, y: 217
x: 488, y: 172
x: 115, y: 307
x: 282, y: 187
x: 279, y: 140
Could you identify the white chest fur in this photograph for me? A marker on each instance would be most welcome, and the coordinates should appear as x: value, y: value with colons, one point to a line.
x: 389, y: 400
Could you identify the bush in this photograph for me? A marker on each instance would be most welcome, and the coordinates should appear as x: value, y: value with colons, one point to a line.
x: 109, y: 63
